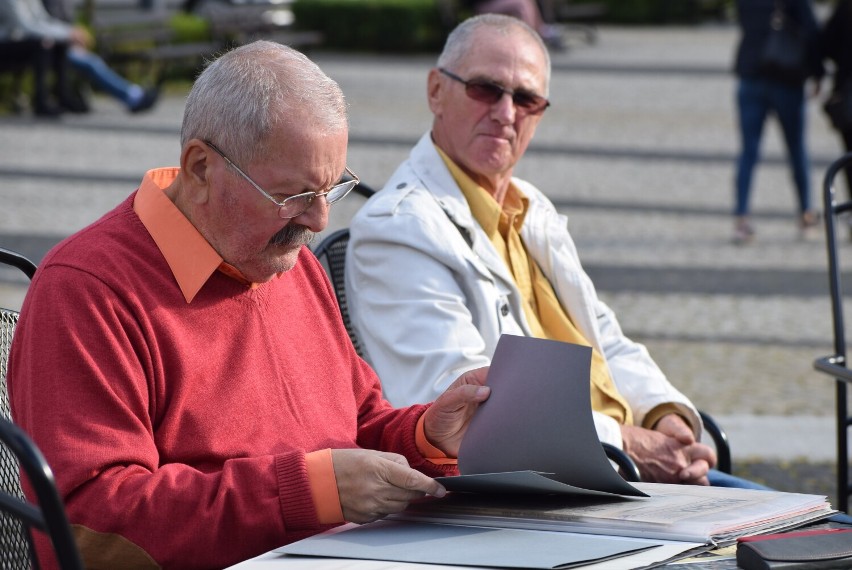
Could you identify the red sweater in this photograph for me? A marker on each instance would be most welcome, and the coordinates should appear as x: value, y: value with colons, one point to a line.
x: 184, y: 427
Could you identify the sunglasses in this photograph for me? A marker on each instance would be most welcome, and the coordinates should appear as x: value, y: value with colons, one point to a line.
x: 489, y: 92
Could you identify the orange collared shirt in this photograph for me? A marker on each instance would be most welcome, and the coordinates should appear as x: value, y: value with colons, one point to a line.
x: 192, y: 261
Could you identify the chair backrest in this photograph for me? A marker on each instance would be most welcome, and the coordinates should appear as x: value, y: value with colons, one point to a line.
x: 332, y: 254
x: 15, y: 546
x: 837, y: 213
x: 18, y: 454
x: 48, y: 516
x: 14, y: 541
x: 15, y: 259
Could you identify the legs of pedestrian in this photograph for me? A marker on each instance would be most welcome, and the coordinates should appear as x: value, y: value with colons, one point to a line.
x: 789, y: 105
x: 134, y: 97
x: 753, y: 108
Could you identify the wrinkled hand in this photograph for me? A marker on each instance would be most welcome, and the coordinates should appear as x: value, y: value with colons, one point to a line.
x: 446, y: 420
x: 372, y: 484
x: 669, y: 453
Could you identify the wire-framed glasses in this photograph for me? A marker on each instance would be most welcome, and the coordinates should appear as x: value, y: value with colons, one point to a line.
x: 489, y: 92
x: 295, y: 205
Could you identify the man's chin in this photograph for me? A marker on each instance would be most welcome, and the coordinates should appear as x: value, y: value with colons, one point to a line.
x: 285, y: 256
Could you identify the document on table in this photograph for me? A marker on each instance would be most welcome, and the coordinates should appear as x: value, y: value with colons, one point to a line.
x: 535, y: 433
x: 398, y: 541
x: 694, y: 513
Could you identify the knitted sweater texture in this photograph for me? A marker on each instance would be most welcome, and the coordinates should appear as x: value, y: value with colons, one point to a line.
x: 183, y: 427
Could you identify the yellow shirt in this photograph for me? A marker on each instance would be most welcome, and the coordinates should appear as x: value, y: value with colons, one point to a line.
x: 545, y: 314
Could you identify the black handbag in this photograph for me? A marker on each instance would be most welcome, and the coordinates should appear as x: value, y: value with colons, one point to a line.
x: 838, y: 107
x: 785, y: 53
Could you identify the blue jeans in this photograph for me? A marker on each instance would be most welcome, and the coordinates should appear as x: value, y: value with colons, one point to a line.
x: 721, y: 479
x: 100, y: 74
x: 756, y: 98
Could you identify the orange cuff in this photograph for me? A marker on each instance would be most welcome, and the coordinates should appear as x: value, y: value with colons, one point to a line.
x: 428, y: 450
x: 324, y: 486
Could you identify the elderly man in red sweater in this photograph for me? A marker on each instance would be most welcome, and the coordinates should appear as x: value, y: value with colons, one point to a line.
x: 182, y: 362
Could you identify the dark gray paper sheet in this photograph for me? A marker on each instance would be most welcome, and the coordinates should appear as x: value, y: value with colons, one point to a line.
x: 537, y: 425
x: 397, y: 541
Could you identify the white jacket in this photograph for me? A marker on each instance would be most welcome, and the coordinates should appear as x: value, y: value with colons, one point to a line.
x: 429, y: 296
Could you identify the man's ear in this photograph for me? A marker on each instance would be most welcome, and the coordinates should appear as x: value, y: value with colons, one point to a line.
x: 195, y: 160
x: 434, y: 91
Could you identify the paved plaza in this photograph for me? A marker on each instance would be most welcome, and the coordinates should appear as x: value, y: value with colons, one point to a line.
x: 637, y: 149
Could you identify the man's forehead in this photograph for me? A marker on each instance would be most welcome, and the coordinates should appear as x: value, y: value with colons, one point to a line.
x: 490, y: 47
x: 505, y: 64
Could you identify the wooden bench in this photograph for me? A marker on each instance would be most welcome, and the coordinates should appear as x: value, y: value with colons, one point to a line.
x: 147, y: 39
x: 232, y: 25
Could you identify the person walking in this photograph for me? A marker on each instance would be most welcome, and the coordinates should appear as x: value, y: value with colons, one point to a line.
x: 760, y: 93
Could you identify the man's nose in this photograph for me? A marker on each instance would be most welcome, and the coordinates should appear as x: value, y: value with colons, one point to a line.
x: 504, y: 110
x: 315, y: 218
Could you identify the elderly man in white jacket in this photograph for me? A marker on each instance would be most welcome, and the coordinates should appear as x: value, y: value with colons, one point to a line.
x: 454, y: 251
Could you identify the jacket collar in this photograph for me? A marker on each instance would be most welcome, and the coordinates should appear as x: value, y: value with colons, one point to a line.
x: 430, y: 169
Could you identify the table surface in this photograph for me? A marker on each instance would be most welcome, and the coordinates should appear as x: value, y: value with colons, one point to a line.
x: 270, y: 561
x: 722, y: 559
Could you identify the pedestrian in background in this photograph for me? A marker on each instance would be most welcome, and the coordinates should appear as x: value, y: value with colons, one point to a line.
x: 760, y: 93
x: 28, y: 33
x: 836, y: 44
x: 94, y: 68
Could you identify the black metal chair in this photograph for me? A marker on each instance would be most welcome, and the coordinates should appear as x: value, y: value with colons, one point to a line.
x: 15, y: 259
x: 19, y: 455
x: 837, y: 213
x: 15, y: 546
x: 332, y: 254
x: 48, y: 516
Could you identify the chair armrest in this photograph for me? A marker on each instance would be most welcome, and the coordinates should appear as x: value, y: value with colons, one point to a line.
x: 625, y: 464
x: 720, y: 440
x: 15, y: 259
x: 834, y: 366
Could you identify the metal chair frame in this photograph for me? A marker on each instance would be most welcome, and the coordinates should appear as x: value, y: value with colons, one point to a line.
x: 835, y: 365
x: 49, y: 515
x: 15, y: 259
x: 18, y: 453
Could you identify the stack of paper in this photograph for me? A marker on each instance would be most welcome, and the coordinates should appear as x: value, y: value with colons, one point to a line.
x: 708, y: 515
x: 537, y: 489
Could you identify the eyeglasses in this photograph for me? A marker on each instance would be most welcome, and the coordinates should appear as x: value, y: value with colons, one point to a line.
x: 489, y: 92
x: 298, y: 204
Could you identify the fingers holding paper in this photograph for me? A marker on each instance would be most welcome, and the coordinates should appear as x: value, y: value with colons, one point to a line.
x: 446, y: 420
x: 373, y: 484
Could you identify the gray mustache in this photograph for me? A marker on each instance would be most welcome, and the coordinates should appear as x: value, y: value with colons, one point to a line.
x: 292, y: 235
